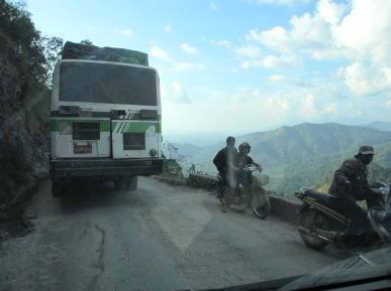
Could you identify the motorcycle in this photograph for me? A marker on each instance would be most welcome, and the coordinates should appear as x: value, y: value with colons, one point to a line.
x: 320, y: 218
x: 252, y: 197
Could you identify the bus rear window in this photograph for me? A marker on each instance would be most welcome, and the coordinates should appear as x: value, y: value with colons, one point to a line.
x: 107, y: 83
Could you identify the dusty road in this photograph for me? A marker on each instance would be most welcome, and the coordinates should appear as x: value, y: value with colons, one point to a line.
x: 159, y: 237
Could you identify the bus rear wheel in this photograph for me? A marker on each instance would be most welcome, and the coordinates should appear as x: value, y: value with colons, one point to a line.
x: 133, y: 182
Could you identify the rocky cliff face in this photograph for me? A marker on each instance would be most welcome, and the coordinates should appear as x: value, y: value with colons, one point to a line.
x: 23, y: 126
x: 11, y: 78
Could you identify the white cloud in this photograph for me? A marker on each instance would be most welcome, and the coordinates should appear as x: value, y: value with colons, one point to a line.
x: 276, y: 78
x: 363, y: 80
x: 309, y: 33
x: 278, y: 103
x: 310, y: 110
x: 366, y: 30
x: 213, y: 6
x: 127, y: 32
x: 174, y: 65
x: 248, y: 51
x: 250, y: 64
x: 183, y: 66
x: 308, y: 107
x: 368, y: 40
x: 331, y: 12
x: 273, y: 62
x: 188, y: 48
x: 277, y: 38
x: 358, y: 32
x: 175, y: 93
x: 167, y: 28
x: 159, y: 53
x: 221, y: 43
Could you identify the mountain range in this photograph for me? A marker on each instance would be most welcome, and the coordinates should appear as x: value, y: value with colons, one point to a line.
x: 380, y: 125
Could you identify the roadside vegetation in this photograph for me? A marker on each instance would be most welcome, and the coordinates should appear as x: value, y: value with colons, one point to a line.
x: 26, y: 64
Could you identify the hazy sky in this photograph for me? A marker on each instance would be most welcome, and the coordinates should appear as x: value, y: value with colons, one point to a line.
x: 237, y: 66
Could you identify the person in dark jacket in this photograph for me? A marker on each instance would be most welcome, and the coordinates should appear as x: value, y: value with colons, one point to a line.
x: 224, y: 161
x: 349, y: 185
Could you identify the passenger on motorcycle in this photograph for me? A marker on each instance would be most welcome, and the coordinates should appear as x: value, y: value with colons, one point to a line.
x: 242, y: 159
x: 349, y: 185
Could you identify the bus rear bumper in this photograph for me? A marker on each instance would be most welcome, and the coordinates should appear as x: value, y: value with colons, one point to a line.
x: 105, y: 168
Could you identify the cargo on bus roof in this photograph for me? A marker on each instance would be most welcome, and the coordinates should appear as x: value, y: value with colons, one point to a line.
x: 91, y: 52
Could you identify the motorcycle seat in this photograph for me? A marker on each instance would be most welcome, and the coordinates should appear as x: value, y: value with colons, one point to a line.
x: 323, y: 198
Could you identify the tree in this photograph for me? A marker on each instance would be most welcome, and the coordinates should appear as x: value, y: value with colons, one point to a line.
x: 16, y: 24
x: 52, y: 49
x: 86, y: 42
x: 37, y: 54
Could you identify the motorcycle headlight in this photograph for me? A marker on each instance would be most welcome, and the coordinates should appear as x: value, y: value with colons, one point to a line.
x: 385, y: 190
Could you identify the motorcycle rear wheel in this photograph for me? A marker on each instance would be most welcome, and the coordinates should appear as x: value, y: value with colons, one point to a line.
x: 307, y: 221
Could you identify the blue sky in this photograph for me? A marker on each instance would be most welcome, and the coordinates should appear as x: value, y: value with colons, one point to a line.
x: 239, y: 66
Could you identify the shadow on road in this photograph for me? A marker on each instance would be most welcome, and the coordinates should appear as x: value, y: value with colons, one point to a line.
x: 86, y: 195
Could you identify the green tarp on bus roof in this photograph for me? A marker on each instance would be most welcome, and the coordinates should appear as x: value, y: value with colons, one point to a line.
x: 91, y: 52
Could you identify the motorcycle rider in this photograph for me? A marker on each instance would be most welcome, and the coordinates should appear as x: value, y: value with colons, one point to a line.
x: 224, y: 161
x: 349, y: 185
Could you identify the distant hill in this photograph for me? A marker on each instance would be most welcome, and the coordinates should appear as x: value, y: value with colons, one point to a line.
x: 380, y: 125
x: 305, y: 154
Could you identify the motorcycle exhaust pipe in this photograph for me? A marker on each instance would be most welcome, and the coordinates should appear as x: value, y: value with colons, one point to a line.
x: 307, y: 231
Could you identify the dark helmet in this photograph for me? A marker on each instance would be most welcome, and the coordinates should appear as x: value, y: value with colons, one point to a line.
x: 243, y: 146
x: 366, y: 150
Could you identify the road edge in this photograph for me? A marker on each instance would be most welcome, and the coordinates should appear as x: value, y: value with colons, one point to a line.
x: 281, y: 207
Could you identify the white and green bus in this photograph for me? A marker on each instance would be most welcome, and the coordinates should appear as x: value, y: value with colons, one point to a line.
x: 105, y: 123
